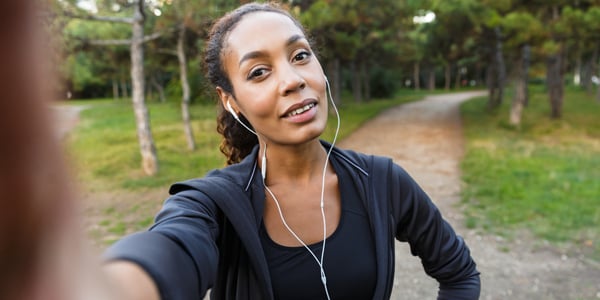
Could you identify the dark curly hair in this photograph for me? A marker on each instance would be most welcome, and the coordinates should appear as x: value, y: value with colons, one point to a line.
x: 237, y: 142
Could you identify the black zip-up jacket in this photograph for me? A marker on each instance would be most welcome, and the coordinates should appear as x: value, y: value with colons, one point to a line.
x: 206, y: 235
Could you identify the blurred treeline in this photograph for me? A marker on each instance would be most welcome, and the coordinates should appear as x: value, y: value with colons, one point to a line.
x: 369, y: 48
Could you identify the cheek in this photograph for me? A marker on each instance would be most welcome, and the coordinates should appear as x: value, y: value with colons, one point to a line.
x: 257, y: 103
x: 262, y: 108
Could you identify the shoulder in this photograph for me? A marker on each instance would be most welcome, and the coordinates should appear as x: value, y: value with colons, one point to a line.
x: 382, y: 169
x: 366, y: 163
x: 233, y: 176
x: 221, y: 178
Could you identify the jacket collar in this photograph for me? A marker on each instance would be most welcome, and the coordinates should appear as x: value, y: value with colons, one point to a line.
x: 246, y: 172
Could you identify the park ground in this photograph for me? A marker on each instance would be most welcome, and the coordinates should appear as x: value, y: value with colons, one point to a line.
x: 424, y: 137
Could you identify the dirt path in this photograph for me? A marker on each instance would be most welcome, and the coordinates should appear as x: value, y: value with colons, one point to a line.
x: 65, y: 117
x: 425, y: 137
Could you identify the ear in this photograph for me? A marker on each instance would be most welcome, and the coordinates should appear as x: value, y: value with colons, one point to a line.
x: 226, y: 97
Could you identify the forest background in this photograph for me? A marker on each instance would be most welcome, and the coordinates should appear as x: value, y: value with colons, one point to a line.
x: 533, y: 145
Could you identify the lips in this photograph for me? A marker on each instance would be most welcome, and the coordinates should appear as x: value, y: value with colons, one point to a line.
x: 300, y: 108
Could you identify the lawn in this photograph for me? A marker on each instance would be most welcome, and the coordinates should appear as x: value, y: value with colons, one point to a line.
x: 543, y: 177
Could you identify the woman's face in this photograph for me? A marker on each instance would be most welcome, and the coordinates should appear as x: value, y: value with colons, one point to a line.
x: 278, y: 83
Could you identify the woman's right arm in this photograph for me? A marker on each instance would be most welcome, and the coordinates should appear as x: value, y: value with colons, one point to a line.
x: 177, y: 257
x: 130, y: 282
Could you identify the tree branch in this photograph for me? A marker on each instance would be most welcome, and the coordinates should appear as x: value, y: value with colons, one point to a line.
x: 111, y: 19
x: 153, y: 36
x: 108, y: 42
x: 147, y: 38
x: 100, y: 18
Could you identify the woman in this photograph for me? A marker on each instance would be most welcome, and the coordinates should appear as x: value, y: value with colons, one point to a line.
x: 292, y: 217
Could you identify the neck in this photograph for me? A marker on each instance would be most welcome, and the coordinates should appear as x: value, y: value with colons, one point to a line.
x: 299, y: 163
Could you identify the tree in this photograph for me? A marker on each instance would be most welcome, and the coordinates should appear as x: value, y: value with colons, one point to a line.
x: 523, y: 31
x: 185, y: 86
x: 87, y: 69
x: 584, y: 41
x: 415, y: 48
x: 142, y: 118
x: 332, y: 23
x: 520, y: 98
x: 453, y: 35
x: 555, y: 60
x: 191, y: 20
x: 146, y: 142
x: 355, y: 36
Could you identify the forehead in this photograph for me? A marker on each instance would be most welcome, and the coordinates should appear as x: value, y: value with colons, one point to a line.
x: 259, y: 31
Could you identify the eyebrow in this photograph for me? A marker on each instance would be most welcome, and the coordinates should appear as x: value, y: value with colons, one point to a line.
x: 255, y: 54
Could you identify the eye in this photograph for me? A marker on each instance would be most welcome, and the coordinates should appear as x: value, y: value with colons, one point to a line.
x: 257, y: 73
x: 301, y: 56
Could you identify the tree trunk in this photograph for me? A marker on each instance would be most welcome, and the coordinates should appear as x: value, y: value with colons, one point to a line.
x: 554, y: 79
x: 124, y: 91
x: 159, y: 88
x: 115, y: 89
x: 364, y: 74
x: 431, y: 79
x: 356, y: 88
x: 185, y: 87
x: 496, y: 73
x: 447, y: 76
x: 457, y: 78
x: 520, y: 97
x: 526, y: 52
x: 417, y: 75
x: 518, y: 103
x: 479, y: 73
x: 554, y: 75
x: 500, y: 60
x: 147, y: 148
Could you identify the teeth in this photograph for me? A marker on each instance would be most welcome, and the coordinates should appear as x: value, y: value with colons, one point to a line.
x: 302, y: 109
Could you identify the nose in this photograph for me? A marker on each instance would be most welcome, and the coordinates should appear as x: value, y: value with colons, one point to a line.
x: 290, y: 81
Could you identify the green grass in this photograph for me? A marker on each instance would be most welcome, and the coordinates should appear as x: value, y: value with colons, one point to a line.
x: 543, y: 176
x: 105, y: 149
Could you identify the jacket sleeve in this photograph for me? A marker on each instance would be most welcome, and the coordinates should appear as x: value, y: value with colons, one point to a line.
x: 179, y: 251
x: 444, y: 255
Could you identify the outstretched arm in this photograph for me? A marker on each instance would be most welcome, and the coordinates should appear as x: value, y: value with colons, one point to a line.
x: 131, y: 281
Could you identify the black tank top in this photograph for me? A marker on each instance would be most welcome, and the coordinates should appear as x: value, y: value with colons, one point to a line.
x: 349, y: 259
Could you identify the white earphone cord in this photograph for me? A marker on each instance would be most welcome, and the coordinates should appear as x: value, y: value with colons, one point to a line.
x: 322, y: 204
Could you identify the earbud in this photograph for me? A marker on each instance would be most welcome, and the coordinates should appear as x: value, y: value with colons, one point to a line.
x: 327, y: 81
x: 230, y: 109
x: 237, y: 118
x: 263, y: 165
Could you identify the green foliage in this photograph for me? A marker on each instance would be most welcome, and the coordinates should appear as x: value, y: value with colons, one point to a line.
x: 360, y: 32
x: 82, y: 30
x: 542, y: 177
x: 384, y: 82
x: 379, y: 34
x: 521, y: 27
x: 88, y: 66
